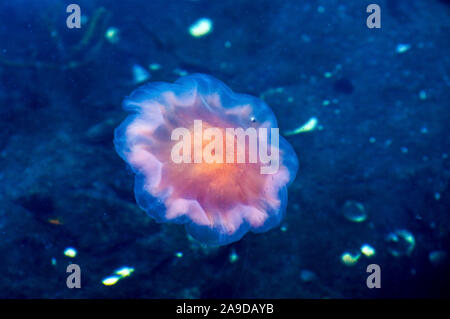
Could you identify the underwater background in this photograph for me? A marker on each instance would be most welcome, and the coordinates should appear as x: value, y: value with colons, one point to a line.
x: 373, y: 183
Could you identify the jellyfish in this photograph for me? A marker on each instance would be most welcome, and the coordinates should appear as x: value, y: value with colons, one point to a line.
x: 192, y: 167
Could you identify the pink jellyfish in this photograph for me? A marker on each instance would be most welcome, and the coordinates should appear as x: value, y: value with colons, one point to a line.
x: 206, y: 157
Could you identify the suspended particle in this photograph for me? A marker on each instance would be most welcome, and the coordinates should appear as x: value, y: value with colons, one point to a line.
x: 350, y: 259
x: 180, y: 72
x: 310, y: 125
x: 354, y: 211
x: 400, y: 243
x: 423, y: 95
x: 233, y: 256
x: 437, y: 257
x: 112, y: 35
x: 154, y: 66
x: 402, y: 48
x: 140, y: 74
x: 201, y: 27
x: 179, y: 254
x: 307, y: 275
x: 367, y: 250
x: 124, y: 271
x: 110, y: 281
x: 70, y: 252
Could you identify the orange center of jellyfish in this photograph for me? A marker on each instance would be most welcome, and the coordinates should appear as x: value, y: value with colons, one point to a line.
x: 216, y: 186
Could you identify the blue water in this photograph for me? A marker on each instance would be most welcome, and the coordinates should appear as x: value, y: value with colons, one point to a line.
x: 380, y: 149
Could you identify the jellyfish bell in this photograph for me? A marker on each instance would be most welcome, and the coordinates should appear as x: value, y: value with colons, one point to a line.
x: 218, y: 201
